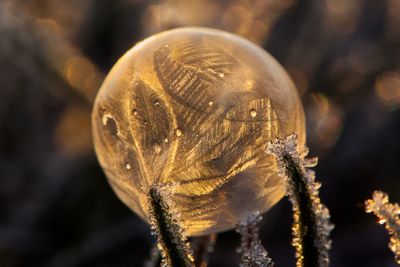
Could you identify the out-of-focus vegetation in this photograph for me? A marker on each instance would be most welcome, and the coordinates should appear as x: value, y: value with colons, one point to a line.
x: 56, y: 206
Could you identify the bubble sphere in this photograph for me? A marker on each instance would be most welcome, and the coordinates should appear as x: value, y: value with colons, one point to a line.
x: 193, y: 109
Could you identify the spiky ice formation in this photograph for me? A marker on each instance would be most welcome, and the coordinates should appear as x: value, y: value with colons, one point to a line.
x: 311, y: 225
x: 251, y: 249
x: 172, y: 241
x: 388, y: 214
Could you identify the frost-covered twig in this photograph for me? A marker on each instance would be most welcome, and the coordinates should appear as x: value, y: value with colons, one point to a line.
x: 202, y: 246
x: 172, y: 242
x: 251, y: 249
x: 311, y: 226
x: 388, y: 214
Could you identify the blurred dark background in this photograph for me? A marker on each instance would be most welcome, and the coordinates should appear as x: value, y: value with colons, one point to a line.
x: 56, y: 208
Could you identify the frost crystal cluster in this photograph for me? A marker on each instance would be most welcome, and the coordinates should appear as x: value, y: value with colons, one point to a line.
x: 388, y: 214
x: 193, y: 108
x: 251, y: 249
x: 311, y: 226
x: 165, y: 225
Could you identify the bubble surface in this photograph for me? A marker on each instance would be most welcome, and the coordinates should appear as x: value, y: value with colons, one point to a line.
x: 193, y: 109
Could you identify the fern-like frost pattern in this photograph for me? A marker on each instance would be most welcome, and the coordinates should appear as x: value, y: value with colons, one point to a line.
x: 192, y: 108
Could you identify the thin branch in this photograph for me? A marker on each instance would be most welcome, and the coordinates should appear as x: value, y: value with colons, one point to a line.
x: 311, y: 226
x: 172, y: 242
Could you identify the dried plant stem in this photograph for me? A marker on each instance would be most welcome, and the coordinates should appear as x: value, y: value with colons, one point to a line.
x: 202, y: 247
x: 311, y: 226
x: 175, y: 249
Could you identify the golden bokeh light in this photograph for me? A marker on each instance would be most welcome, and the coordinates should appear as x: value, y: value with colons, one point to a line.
x: 250, y: 19
x: 328, y: 130
x: 73, y: 135
x: 327, y: 119
x: 387, y: 87
x: 343, y: 16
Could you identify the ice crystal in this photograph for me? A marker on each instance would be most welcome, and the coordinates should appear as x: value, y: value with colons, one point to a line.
x: 165, y: 225
x: 388, y: 214
x: 311, y: 226
x: 251, y: 249
x: 195, y: 107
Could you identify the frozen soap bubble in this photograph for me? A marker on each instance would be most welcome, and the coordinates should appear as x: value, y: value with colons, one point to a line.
x: 193, y: 109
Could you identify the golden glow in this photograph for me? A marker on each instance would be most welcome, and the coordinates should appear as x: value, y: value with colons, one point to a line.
x: 48, y: 23
x: 328, y: 130
x: 251, y: 19
x: 387, y: 88
x: 343, y: 15
x: 322, y: 104
x: 82, y: 75
x: 328, y: 120
x: 73, y: 131
x: 299, y: 79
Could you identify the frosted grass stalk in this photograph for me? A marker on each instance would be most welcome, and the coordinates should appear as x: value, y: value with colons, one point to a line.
x: 202, y: 246
x: 389, y: 215
x: 172, y: 241
x: 311, y: 224
x: 251, y: 249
